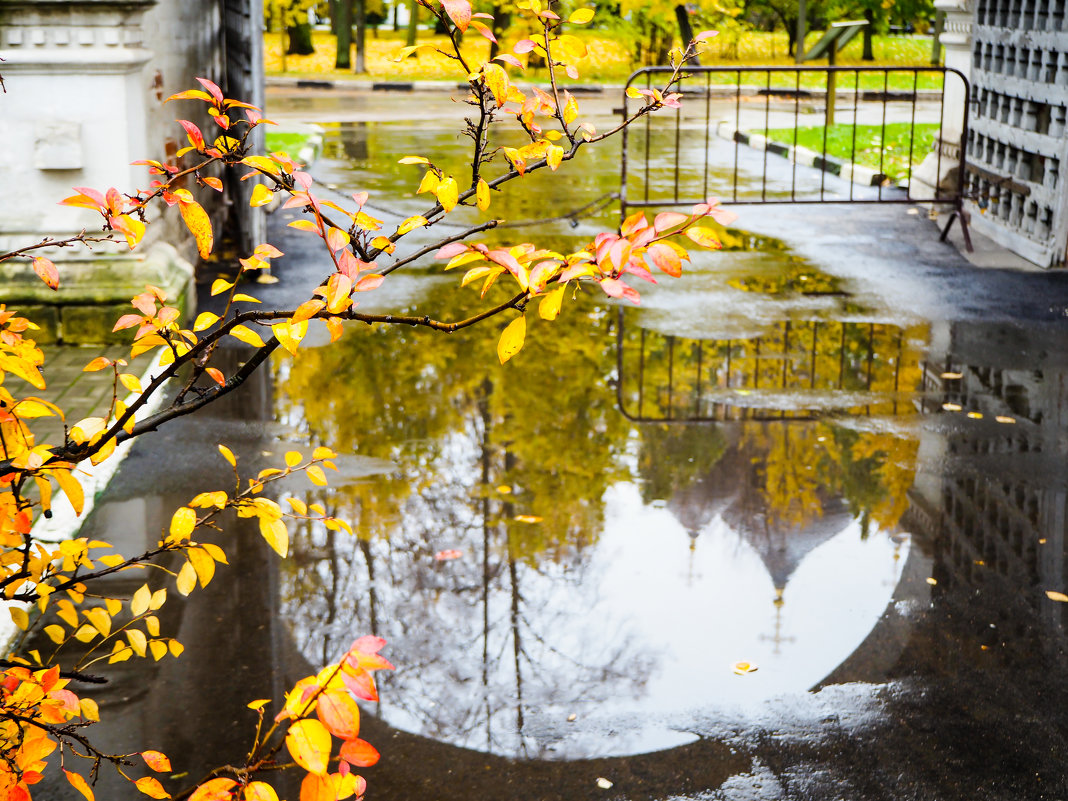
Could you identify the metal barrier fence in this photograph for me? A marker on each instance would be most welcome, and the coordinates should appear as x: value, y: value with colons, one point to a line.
x: 718, y: 144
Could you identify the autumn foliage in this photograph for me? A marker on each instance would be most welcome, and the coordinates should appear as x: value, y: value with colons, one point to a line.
x: 50, y: 587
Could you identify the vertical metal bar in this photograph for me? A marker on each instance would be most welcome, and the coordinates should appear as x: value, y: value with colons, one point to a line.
x: 671, y: 376
x: 641, y: 377
x: 912, y: 129
x: 826, y: 128
x: 678, y: 146
x: 938, y: 144
x: 708, y: 129
x: 737, y: 124
x: 756, y: 364
x: 897, y: 367
x: 697, y: 399
x: 963, y: 152
x: 815, y: 342
x: 882, y: 133
x: 730, y: 347
x: 785, y: 351
x: 767, y: 127
x: 648, y: 138
x: 797, y: 116
x: 856, y: 123
x: 841, y: 358
x: 623, y: 158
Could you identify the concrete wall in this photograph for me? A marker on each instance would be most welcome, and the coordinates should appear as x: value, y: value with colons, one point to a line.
x: 86, y: 81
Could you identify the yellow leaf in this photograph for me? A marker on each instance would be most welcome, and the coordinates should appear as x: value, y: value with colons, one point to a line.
x: 215, y: 552
x: 246, y: 335
x: 105, y: 451
x: 139, y: 602
x: 100, y: 619
x: 290, y: 335
x: 276, y: 534
x: 196, y: 219
x: 176, y: 648
x: 159, y: 597
x: 511, y: 341
x: 411, y: 224
x: 85, y: 633
x: 429, y: 183
x: 293, y: 458
x: 482, y: 195
x: 228, y: 455
x: 33, y: 408
x: 71, y: 488
x: 88, y: 709
x: 741, y: 668
x: 138, y: 641
x: 55, y: 633
x: 309, y: 743
x: 549, y: 307
x: 65, y: 611
x: 554, y: 155
x: 317, y: 476
x: 261, y: 196
x: 570, y: 109
x: 260, y: 704
x: 633, y: 91
x: 241, y: 296
x: 218, y: 286
x: 581, y: 16
x: 152, y: 625
x: 131, y: 382
x: 183, y: 521
x: 447, y: 193
x: 413, y: 160
x: 203, y: 564
x: 157, y: 649
x: 187, y: 579
x: 19, y: 617
x: 1057, y: 596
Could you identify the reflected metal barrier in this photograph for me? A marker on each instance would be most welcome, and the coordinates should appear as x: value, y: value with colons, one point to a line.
x: 796, y: 370
x: 715, y: 143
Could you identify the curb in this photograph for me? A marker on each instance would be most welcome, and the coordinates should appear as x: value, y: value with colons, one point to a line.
x: 846, y: 170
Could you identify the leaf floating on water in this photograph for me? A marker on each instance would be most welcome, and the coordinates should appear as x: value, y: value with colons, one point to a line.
x: 951, y: 407
x: 572, y: 718
x: 504, y: 489
x: 975, y: 415
x: 952, y: 375
x: 1053, y: 595
x: 931, y: 581
x: 527, y: 519
x: 1003, y: 419
x: 742, y: 668
x: 603, y: 783
x: 444, y: 556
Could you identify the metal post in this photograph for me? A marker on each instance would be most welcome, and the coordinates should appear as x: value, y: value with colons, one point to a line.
x: 832, y: 89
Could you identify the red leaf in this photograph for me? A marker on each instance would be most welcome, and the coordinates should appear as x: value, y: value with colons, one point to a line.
x: 450, y: 250
x: 214, y: 790
x: 128, y: 321
x: 368, y: 644
x: 359, y: 682
x: 459, y: 12
x: 359, y: 753
x: 215, y: 91
x: 196, y: 138
x: 47, y: 271
x: 524, y: 46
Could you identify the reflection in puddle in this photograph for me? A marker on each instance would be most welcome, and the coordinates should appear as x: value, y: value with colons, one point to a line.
x: 608, y: 573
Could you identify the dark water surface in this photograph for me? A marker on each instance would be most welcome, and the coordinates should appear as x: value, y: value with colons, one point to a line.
x: 833, y: 451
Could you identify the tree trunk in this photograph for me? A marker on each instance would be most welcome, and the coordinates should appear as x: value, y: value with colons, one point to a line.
x: 300, y: 40
x: 501, y: 20
x: 333, y: 17
x: 869, y: 55
x: 344, y: 35
x: 685, y: 29
x: 360, y: 12
x: 413, y: 25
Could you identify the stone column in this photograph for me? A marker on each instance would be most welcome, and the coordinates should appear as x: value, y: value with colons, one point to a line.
x: 940, y: 167
x: 74, y: 115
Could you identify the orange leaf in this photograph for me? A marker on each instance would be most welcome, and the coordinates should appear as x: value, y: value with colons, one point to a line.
x: 317, y: 788
x: 309, y: 743
x: 359, y: 753
x: 79, y: 784
x: 151, y: 787
x: 156, y: 760
x: 48, y: 273
x: 216, y: 375
x: 214, y: 790
x: 339, y: 713
x: 260, y: 791
x: 196, y: 219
